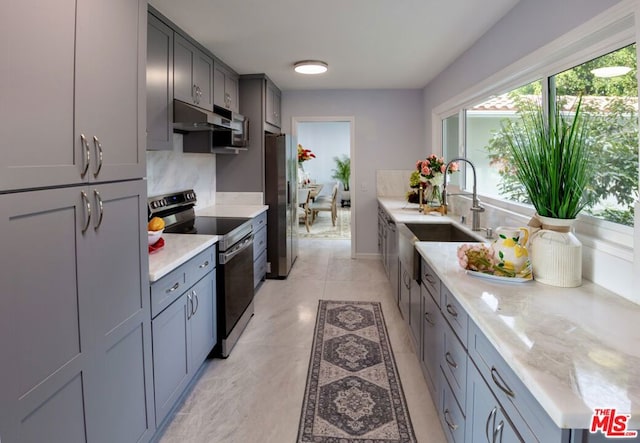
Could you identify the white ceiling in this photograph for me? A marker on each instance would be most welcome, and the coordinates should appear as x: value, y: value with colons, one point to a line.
x: 368, y: 44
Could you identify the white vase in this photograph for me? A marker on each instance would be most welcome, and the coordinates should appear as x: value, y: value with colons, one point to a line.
x: 556, y: 253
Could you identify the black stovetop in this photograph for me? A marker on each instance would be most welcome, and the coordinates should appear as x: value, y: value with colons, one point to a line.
x: 207, y: 226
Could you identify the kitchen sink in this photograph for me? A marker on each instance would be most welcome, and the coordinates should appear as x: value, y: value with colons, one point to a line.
x: 410, y: 233
x: 444, y: 232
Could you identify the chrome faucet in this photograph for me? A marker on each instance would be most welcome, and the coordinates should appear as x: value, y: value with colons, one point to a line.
x: 476, y: 208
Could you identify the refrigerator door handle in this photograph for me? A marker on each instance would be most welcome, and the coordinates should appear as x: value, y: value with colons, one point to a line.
x: 288, y: 192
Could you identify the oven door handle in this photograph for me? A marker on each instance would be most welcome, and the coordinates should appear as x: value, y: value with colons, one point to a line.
x: 227, y: 256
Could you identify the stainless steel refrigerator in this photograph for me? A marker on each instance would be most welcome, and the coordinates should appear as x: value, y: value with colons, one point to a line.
x: 281, y: 186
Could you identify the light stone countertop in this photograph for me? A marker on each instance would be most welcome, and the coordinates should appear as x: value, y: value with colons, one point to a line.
x: 575, y: 349
x: 241, y: 211
x: 178, y: 249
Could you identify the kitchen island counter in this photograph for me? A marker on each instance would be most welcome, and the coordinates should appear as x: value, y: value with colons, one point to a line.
x: 177, y: 249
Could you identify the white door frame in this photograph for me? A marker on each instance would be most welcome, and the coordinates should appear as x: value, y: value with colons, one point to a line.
x: 352, y: 154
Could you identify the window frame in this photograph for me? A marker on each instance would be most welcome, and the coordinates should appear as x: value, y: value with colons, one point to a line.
x: 613, y: 31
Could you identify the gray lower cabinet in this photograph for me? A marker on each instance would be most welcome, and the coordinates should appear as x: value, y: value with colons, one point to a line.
x: 75, y: 328
x: 92, y: 130
x: 259, y: 248
x: 432, y: 330
x: 184, y: 328
x: 159, y: 85
x: 486, y: 421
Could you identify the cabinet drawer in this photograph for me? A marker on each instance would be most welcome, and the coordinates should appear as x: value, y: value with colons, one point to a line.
x: 453, y: 422
x: 259, y: 268
x: 431, y: 281
x: 167, y: 289
x: 200, y: 265
x: 259, y: 242
x: 522, y: 408
x: 453, y: 361
x: 455, y: 314
x: 259, y: 221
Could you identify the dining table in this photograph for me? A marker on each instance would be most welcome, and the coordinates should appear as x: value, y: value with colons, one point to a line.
x: 314, y: 189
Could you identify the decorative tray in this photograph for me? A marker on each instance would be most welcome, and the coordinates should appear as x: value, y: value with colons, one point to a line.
x: 499, y: 278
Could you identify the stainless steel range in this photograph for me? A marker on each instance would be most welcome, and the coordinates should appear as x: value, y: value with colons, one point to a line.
x: 234, y: 274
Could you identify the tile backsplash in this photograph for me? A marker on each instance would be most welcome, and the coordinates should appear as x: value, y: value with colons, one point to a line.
x: 171, y: 171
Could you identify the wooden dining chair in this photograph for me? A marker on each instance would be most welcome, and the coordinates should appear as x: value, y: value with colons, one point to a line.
x: 326, y: 205
x: 304, y: 211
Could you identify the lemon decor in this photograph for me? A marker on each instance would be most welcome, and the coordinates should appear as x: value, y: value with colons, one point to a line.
x: 511, y: 250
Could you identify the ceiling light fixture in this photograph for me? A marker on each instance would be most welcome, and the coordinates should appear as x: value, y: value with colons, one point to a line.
x: 310, y: 67
x: 610, y: 71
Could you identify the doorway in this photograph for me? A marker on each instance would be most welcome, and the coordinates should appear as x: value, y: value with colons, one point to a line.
x: 328, y: 138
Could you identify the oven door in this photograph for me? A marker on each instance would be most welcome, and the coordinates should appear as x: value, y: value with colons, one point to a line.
x: 235, y: 284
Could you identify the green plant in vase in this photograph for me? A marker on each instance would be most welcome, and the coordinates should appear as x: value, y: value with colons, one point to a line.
x: 553, y: 161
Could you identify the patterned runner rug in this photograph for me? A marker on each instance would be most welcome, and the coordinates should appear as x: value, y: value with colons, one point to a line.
x: 353, y: 392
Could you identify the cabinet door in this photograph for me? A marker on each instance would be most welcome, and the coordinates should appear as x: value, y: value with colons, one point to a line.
x: 486, y: 421
x: 431, y: 340
x: 183, y: 81
x: 110, y: 103
x: 415, y: 314
x: 202, y: 320
x: 272, y: 114
x: 405, y: 293
x: 232, y: 91
x: 44, y: 356
x: 170, y: 356
x: 159, y: 85
x: 36, y: 92
x: 203, y: 79
x: 113, y: 280
x: 219, y: 75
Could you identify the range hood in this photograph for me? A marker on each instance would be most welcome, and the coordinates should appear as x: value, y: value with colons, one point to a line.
x: 188, y: 118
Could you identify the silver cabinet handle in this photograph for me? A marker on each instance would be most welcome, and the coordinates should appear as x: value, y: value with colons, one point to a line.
x: 173, y: 288
x: 195, y: 294
x: 447, y: 419
x: 430, y: 279
x: 451, y: 310
x: 96, y: 194
x: 490, y: 417
x: 450, y: 361
x: 189, y: 308
x: 204, y: 265
x: 87, y: 206
x: 427, y: 317
x: 87, y: 155
x: 497, y: 434
x: 98, y: 147
x: 500, y: 383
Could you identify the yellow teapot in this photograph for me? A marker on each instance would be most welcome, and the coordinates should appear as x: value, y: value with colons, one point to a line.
x: 511, y: 250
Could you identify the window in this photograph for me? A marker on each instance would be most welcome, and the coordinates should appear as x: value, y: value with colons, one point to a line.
x: 611, y: 103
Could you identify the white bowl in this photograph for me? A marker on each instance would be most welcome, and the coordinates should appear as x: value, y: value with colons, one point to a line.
x: 154, y: 236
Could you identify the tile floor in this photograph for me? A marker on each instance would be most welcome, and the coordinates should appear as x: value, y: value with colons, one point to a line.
x: 255, y: 395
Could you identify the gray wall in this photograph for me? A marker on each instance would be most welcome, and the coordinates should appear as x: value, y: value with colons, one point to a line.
x: 388, y: 135
x: 528, y: 26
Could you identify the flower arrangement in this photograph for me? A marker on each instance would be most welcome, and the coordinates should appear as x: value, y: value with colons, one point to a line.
x: 304, y: 154
x: 479, y: 257
x: 429, y: 174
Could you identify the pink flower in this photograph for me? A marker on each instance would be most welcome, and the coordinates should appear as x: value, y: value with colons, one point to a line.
x: 454, y: 167
x: 419, y: 165
x: 425, y: 169
x: 442, y: 168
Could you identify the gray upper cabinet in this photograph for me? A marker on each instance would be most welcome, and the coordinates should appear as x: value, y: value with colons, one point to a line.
x: 75, y: 329
x: 85, y: 125
x: 192, y: 74
x: 225, y: 88
x: 272, y: 106
x: 159, y: 85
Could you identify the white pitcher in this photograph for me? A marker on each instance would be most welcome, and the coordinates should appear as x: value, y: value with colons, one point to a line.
x: 511, y: 248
